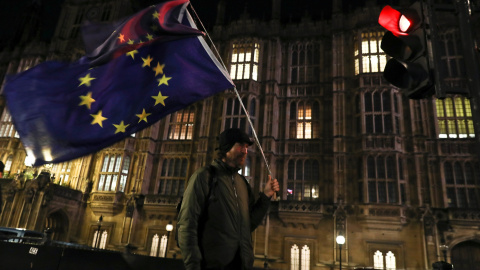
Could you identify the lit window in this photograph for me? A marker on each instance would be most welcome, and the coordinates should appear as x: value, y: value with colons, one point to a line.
x: 111, y: 178
x: 181, y: 124
x: 378, y: 260
x: 7, y: 129
x: 369, y: 57
x: 154, y: 248
x: 304, y: 120
x: 244, y: 61
x: 300, y: 261
x: 454, y: 117
x: 61, y: 172
x: 103, y: 239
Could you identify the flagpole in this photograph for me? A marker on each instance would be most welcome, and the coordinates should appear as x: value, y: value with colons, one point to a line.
x: 239, y: 98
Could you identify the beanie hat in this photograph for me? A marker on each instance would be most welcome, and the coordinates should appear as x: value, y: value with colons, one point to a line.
x: 231, y: 136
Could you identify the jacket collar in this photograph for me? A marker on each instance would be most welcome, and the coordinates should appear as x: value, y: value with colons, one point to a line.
x: 226, y: 167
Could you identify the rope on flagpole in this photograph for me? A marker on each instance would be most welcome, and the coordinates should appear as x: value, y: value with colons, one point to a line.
x: 236, y: 92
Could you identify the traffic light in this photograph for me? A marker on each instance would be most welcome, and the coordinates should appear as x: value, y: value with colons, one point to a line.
x: 406, y: 41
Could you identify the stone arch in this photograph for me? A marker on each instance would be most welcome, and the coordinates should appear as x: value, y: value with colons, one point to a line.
x: 58, y: 223
x: 465, y: 252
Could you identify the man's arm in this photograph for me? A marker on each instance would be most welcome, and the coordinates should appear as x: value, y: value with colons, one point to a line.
x: 260, y: 207
x: 192, y: 205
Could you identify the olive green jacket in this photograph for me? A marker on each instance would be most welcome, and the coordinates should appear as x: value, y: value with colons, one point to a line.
x: 210, y: 233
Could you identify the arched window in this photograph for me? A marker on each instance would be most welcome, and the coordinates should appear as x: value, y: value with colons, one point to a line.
x: 299, y: 259
x: 305, y: 62
x: 154, y: 247
x: 294, y: 258
x: 102, y: 240
x: 386, y: 262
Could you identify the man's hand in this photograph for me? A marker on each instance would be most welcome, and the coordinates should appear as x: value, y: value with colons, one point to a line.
x: 271, y: 187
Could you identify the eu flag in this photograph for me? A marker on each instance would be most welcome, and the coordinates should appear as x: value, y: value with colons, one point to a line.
x: 63, y: 111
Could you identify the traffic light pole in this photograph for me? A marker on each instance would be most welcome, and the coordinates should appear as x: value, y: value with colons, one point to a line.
x: 472, y: 65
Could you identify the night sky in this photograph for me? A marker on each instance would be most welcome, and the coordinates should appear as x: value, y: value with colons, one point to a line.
x: 292, y: 10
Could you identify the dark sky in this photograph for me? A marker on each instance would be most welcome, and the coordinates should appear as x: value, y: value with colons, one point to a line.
x: 292, y: 10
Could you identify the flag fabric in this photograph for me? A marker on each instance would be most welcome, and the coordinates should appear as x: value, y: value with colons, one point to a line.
x: 104, y: 41
x: 63, y: 111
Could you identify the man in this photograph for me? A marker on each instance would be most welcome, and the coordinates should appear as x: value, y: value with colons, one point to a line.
x: 216, y: 220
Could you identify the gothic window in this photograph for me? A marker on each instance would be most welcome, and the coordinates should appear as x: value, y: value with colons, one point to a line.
x: 299, y: 259
x: 305, y: 63
x: 382, y: 184
x: 114, y: 173
x: 461, y: 187
x: 380, y: 116
x: 235, y: 116
x: 369, y: 57
x: 8, y: 164
x: 102, y: 239
x: 386, y: 262
x: 181, y: 124
x: 7, y: 129
x: 304, y: 120
x: 454, y: 117
x: 158, y: 246
x: 62, y: 172
x: 173, y: 176
x: 450, y: 47
x: 244, y: 61
x: 303, y: 178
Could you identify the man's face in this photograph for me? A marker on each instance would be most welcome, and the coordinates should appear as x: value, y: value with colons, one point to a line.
x: 237, y: 155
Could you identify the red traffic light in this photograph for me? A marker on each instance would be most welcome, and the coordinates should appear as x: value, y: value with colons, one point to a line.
x: 399, y: 23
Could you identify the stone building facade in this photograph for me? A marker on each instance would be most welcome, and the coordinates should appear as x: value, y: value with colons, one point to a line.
x: 398, y: 178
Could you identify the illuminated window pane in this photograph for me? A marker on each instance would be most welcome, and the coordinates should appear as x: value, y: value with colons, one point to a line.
x: 154, y: 247
x: 294, y: 258
x: 378, y: 260
x: 390, y: 261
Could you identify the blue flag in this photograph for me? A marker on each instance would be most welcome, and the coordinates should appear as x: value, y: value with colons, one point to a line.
x: 63, y: 111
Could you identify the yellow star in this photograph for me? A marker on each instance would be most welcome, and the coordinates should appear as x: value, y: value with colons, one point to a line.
x: 149, y: 36
x: 147, y: 61
x: 98, y: 118
x: 163, y: 80
x: 159, y: 99
x: 86, y: 80
x: 155, y: 14
x: 154, y: 27
x: 143, y: 116
x: 132, y: 53
x: 87, y: 100
x: 121, y: 37
x: 120, y: 127
x: 130, y: 42
x: 158, y: 69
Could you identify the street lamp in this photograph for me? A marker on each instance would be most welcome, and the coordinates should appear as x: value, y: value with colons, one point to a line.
x: 169, y: 228
x: 444, y: 249
x: 340, y: 241
x: 99, y: 222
